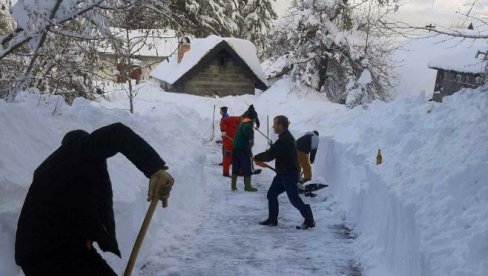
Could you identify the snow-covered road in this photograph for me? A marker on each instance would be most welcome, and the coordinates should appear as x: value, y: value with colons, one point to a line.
x: 230, y: 241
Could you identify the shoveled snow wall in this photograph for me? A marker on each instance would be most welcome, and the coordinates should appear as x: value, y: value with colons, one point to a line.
x: 388, y: 241
x: 424, y: 210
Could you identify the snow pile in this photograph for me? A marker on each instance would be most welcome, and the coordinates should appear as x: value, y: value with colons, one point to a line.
x: 171, y: 71
x: 423, y: 211
x: 31, y: 131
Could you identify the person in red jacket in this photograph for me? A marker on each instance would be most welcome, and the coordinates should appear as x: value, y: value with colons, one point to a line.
x: 228, y: 127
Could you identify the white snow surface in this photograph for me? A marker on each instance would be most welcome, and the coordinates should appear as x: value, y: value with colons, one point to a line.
x: 170, y: 71
x: 422, y: 212
x: 466, y: 60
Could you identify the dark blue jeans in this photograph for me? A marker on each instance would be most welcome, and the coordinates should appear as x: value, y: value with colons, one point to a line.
x: 284, y: 183
x: 241, y: 161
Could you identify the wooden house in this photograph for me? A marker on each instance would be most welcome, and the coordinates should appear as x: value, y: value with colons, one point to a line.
x: 212, y: 66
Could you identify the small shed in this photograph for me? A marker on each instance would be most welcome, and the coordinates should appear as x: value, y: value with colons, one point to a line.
x: 212, y: 66
x: 462, y: 68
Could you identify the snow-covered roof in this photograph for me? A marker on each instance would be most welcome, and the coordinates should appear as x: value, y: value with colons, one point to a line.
x: 171, y: 71
x: 463, y: 57
x: 147, y: 43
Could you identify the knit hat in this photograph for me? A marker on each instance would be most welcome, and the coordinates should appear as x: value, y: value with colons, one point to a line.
x: 251, y: 113
x: 224, y: 109
x: 316, y: 132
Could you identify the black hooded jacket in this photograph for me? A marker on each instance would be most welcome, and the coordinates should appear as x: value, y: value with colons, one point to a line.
x: 70, y: 198
x: 284, y: 150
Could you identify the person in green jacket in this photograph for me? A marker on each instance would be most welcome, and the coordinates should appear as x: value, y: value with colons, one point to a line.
x: 241, y: 152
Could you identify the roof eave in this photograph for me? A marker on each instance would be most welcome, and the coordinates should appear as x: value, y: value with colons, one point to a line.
x: 452, y: 70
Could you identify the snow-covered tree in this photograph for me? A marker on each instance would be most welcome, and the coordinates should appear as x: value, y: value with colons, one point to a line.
x: 42, y: 25
x: 66, y: 67
x: 200, y: 17
x: 256, y: 19
x: 9, y: 66
x: 321, y: 45
x: 132, y: 31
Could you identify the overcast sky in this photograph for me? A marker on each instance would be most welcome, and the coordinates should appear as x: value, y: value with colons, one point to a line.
x: 422, y: 12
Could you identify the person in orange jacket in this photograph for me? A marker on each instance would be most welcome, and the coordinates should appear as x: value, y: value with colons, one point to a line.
x: 228, y: 127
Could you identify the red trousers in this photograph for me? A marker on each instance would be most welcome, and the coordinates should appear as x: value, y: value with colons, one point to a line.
x: 226, y: 161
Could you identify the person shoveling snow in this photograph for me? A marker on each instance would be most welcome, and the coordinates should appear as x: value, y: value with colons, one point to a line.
x: 242, y: 152
x: 285, y: 152
x: 69, y: 203
x: 307, y: 146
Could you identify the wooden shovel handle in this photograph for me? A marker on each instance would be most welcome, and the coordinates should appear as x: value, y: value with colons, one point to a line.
x: 140, y: 236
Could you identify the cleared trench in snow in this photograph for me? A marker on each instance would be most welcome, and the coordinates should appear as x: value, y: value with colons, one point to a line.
x: 388, y: 240
x: 231, y: 242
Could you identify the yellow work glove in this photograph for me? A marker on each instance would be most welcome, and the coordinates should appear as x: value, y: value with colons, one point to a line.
x: 160, y: 185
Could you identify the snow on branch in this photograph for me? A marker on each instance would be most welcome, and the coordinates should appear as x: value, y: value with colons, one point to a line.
x: 32, y: 21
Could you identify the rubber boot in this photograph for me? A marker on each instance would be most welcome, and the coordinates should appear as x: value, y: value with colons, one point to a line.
x: 233, y: 184
x: 247, y: 185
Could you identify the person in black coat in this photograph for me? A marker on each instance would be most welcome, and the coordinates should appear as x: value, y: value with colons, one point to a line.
x: 69, y: 203
x: 284, y: 151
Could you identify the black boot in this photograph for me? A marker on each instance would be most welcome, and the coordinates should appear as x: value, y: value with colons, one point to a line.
x: 269, y: 222
x: 309, y: 221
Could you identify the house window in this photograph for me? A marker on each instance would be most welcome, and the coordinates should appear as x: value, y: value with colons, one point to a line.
x: 222, y: 59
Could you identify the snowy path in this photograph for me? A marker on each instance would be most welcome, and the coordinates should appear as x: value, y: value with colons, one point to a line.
x: 230, y: 241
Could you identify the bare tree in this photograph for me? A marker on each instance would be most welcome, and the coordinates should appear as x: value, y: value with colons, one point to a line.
x: 126, y: 47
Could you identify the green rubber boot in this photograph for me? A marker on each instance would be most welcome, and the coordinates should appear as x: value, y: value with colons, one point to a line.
x: 247, y: 185
x: 233, y: 184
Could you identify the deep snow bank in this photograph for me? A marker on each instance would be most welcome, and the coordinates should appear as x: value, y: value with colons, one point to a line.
x: 31, y: 131
x: 423, y: 211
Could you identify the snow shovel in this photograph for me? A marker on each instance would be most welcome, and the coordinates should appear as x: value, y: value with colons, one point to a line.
x: 140, y: 236
x: 270, y: 142
x: 264, y: 165
x: 210, y: 139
